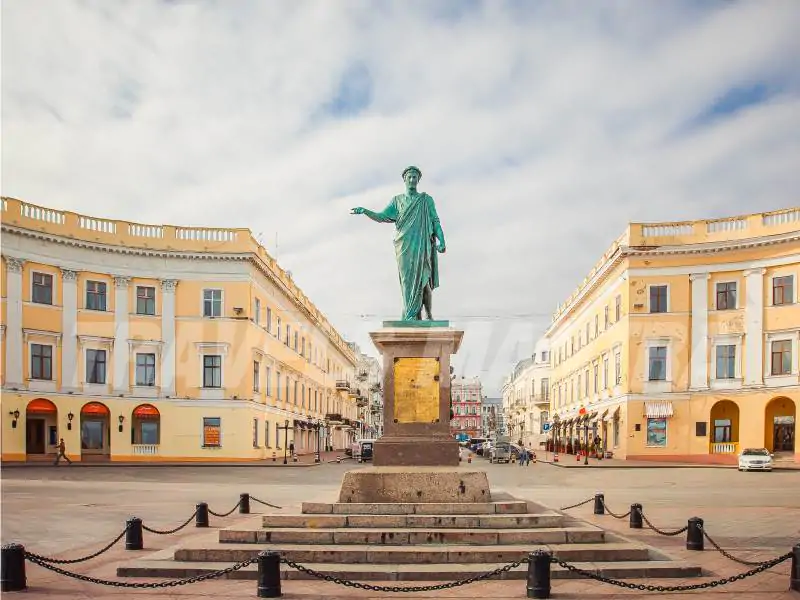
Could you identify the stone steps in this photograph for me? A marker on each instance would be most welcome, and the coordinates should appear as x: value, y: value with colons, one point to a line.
x: 419, y: 508
x: 383, y: 521
x: 413, y: 536
x: 662, y: 569
x: 413, y: 554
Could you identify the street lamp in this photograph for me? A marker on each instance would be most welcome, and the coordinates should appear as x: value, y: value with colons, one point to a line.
x: 316, y: 435
x: 586, y: 442
x: 285, y: 439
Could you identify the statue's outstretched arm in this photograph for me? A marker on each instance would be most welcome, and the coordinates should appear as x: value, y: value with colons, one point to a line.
x: 387, y: 215
x: 437, y: 227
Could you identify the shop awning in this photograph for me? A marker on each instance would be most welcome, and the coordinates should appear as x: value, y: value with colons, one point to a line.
x: 658, y: 409
x: 146, y: 411
x: 41, y: 406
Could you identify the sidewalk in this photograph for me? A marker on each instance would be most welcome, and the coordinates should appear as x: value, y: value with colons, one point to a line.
x: 568, y: 461
x: 304, y: 460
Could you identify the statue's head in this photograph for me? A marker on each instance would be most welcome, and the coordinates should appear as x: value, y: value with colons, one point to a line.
x: 411, y: 176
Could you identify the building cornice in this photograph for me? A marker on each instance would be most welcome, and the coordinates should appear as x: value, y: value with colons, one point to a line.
x: 624, y: 252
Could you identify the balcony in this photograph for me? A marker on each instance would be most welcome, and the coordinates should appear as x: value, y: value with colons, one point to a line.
x: 375, y: 388
x: 361, y: 401
x: 145, y: 449
x: 539, y: 399
x: 724, y: 448
x: 343, y: 385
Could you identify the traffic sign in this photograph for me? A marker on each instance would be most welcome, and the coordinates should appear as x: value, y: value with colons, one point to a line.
x: 546, y: 426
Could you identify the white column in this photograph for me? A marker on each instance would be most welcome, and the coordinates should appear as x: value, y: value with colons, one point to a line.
x: 14, y: 345
x: 69, y: 321
x: 754, y: 327
x: 168, y: 336
x: 121, y: 335
x: 699, y: 349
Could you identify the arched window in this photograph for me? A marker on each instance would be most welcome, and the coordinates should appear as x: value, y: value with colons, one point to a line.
x: 146, y: 428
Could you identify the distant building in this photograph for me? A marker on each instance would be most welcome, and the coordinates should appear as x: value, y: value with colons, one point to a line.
x: 526, y: 397
x: 492, y: 421
x: 466, y: 402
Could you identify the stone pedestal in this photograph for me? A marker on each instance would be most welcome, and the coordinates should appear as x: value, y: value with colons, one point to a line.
x: 416, y: 384
x: 414, y: 485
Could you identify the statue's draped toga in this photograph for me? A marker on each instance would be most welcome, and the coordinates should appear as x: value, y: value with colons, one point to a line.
x: 416, y: 223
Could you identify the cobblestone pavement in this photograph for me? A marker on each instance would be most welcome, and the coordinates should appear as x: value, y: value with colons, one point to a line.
x: 71, y: 512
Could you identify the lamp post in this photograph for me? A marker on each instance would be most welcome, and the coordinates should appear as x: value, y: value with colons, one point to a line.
x: 316, y: 435
x: 586, y: 442
x: 285, y: 439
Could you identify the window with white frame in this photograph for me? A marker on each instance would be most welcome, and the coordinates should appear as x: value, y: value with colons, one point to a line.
x: 617, y: 368
x: 605, y: 372
x: 659, y: 298
x: 96, y: 295
x: 95, y: 366
x: 41, y: 288
x: 212, y: 371
x: 269, y: 320
x: 212, y: 303
x: 145, y: 369
x: 596, y: 325
x: 657, y: 363
x: 278, y: 328
x: 781, y: 357
x: 783, y: 290
x: 145, y: 300
x: 257, y: 311
x: 617, y: 308
x: 256, y: 376
x: 606, y: 318
x: 726, y: 361
x: 726, y: 295
x: 41, y: 361
x: 268, y: 381
x: 278, y: 384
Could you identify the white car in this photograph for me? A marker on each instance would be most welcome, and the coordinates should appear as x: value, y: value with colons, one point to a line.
x: 755, y: 459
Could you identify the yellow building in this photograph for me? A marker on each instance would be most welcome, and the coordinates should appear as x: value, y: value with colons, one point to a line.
x: 151, y: 342
x: 682, y: 343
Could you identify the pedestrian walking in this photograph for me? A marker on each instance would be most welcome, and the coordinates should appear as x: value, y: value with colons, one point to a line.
x: 62, y: 447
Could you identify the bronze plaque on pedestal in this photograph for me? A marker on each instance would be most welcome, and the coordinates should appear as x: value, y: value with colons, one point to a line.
x: 416, y: 390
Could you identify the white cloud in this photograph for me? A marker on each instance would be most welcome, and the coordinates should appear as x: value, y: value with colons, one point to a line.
x: 542, y: 129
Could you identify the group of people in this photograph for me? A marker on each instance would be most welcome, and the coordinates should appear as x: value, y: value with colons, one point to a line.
x: 525, y: 456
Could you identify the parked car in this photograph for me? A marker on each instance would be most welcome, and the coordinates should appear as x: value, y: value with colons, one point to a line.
x: 755, y: 459
x: 500, y: 453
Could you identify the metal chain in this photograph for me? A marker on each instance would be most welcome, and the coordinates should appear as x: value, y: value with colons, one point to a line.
x: 661, y: 531
x: 126, y: 584
x: 396, y: 588
x: 741, y: 561
x: 264, y: 503
x: 170, y: 531
x: 72, y: 561
x: 605, y: 507
x: 676, y: 588
x: 577, y: 505
x: 211, y: 512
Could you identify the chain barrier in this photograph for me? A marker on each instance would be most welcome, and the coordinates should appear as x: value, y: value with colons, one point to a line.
x: 125, y: 584
x: 264, y: 503
x: 577, y: 505
x: 396, y: 588
x: 625, y: 516
x: 170, y: 531
x: 211, y: 512
x: 741, y: 561
x: 674, y: 588
x: 72, y: 561
x: 661, y: 531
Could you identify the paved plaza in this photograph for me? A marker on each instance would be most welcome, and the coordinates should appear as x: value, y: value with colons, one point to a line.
x: 69, y: 512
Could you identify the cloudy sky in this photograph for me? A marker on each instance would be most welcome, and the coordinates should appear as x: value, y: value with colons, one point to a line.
x: 541, y: 128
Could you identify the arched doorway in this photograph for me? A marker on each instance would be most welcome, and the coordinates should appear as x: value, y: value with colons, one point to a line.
x: 146, y: 430
x: 724, y: 427
x: 780, y: 425
x: 95, y: 430
x: 41, y: 427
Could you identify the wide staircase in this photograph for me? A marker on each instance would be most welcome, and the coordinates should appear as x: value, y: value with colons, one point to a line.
x: 413, y: 542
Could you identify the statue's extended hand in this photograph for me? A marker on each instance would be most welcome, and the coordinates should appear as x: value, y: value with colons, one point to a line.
x: 357, y: 211
x: 441, y: 248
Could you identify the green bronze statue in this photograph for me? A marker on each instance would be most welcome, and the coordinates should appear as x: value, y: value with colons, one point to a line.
x: 417, y: 239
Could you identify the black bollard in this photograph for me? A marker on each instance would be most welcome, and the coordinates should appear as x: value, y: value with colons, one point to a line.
x: 269, y: 574
x: 599, y: 504
x: 694, y: 535
x: 636, y: 516
x: 244, y: 504
x: 794, y: 583
x: 539, y: 574
x: 201, y: 519
x: 133, y: 534
x: 12, y: 568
